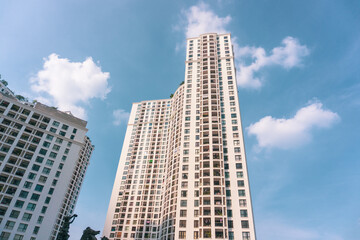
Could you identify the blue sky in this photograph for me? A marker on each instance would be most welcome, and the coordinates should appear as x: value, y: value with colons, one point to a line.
x: 299, y: 93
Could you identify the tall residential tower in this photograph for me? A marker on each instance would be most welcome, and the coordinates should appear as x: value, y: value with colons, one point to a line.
x: 182, y: 172
x: 44, y: 154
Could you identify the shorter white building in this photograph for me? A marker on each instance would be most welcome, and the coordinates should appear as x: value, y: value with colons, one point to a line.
x: 44, y: 154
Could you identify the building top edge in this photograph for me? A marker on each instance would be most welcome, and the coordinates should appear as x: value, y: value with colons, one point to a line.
x: 219, y: 34
x: 155, y: 100
x: 60, y: 114
x: 49, y: 111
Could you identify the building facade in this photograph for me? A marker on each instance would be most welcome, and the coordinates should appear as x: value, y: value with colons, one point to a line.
x: 44, y: 154
x: 182, y: 172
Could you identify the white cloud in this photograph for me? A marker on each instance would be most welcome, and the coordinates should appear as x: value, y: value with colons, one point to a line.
x: 201, y: 19
x: 289, y: 55
x: 68, y: 84
x: 293, y: 132
x: 120, y: 116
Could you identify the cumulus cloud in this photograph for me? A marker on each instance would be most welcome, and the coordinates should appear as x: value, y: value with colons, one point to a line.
x: 68, y: 85
x: 292, y: 132
x: 201, y: 19
x: 120, y: 116
x: 290, y: 54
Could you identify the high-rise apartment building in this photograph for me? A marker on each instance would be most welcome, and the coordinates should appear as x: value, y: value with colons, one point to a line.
x: 182, y: 172
x: 44, y: 154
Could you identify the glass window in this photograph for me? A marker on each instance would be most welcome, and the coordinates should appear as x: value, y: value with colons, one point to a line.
x: 35, y: 167
x: 22, y: 227
x: 31, y: 206
x: 18, y: 237
x: 39, y: 188
x: 46, y: 170
x: 241, y: 193
x: 240, y: 183
x: 26, y: 217
x: 19, y: 204
x: 23, y: 194
x: 9, y: 225
x: 243, y: 213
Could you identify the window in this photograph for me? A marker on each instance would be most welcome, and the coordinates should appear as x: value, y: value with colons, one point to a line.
x: 26, y: 217
x: 241, y: 193
x: 182, y: 234
x: 39, y: 188
x: 242, y: 202
x: 183, y: 223
x: 35, y: 197
x: 23, y: 194
x: 43, y: 210
x: 49, y: 137
x: 18, y: 237
x: 27, y: 185
x: 46, y: 170
x: 239, y: 174
x: 31, y: 206
x: 183, y: 203
x: 40, y: 219
x: 246, y: 235
x: 238, y: 165
x: 245, y: 224
x: 32, y: 176
x: 9, y: 225
x: 56, y: 123
x: 43, y: 151
x: 22, y: 227
x: 14, y: 214
x: 240, y: 183
x: 39, y: 159
x: 56, y: 147
x: 42, y: 179
x: 243, y: 213
x: 5, y: 236
x: 183, y: 213
x: 47, y: 200
x: 36, y: 230
x: 19, y: 204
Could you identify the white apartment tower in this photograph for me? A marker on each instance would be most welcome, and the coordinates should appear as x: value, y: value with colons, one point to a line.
x: 44, y: 154
x: 182, y: 172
